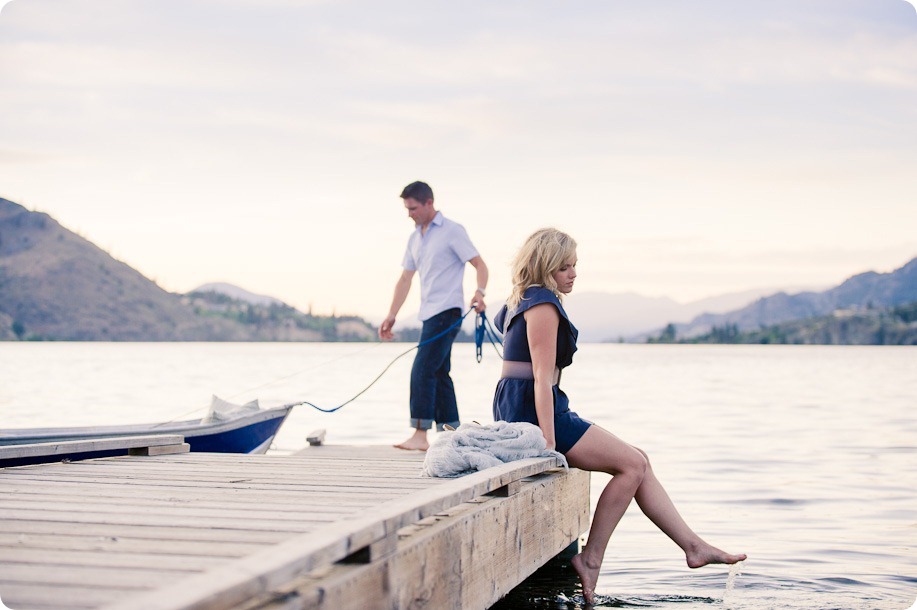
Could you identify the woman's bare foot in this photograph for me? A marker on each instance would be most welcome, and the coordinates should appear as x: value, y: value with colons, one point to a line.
x: 705, y: 554
x: 588, y: 576
x: 417, y: 442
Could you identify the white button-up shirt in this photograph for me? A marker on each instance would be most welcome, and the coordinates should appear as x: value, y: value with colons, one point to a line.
x: 439, y: 256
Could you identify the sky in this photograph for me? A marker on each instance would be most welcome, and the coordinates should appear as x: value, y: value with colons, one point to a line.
x: 691, y: 149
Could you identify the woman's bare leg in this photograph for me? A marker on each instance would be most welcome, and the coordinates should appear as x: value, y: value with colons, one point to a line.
x: 599, y: 450
x: 655, y: 503
x: 633, y: 477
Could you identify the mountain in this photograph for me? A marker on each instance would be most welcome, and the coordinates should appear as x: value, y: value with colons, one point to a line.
x: 861, y: 292
x: 874, y: 326
x: 602, y: 316
x: 276, y: 321
x: 239, y: 294
x: 56, y: 285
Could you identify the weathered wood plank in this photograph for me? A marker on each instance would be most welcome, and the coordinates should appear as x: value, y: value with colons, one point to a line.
x: 226, y: 527
x: 360, y: 452
x: 56, y: 597
x: 127, y: 544
x: 246, y: 507
x: 239, y: 483
x: 145, y: 532
x: 465, y: 558
x: 87, y: 558
x: 241, y: 499
x: 101, y: 444
x: 261, y: 572
x: 265, y: 471
x: 307, y: 524
x: 42, y: 575
x: 160, y: 450
x: 205, y: 515
x: 239, y: 476
x: 317, y: 437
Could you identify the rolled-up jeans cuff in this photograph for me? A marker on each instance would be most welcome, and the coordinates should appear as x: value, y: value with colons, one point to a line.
x: 421, y: 424
x: 453, y: 424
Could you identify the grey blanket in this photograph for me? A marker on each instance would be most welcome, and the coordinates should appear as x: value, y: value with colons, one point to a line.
x: 474, y: 446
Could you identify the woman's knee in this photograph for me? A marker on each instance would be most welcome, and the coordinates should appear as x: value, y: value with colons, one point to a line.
x: 645, y: 457
x: 635, y: 463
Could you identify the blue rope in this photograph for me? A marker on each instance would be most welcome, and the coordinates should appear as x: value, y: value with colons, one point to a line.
x: 480, y: 323
x: 482, y: 330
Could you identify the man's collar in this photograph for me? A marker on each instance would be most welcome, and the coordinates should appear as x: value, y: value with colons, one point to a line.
x: 437, y: 220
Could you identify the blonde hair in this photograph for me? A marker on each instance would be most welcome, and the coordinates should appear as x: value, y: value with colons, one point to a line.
x: 539, y: 258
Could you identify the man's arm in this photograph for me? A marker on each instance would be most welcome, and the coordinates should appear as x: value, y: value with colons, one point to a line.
x: 477, y: 300
x: 402, y: 287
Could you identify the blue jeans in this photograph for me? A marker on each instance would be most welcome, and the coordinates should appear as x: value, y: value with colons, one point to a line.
x: 432, y: 392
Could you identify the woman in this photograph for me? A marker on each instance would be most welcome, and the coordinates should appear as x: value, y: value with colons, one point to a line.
x: 539, y: 340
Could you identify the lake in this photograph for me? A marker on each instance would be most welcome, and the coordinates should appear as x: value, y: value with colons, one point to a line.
x: 804, y: 457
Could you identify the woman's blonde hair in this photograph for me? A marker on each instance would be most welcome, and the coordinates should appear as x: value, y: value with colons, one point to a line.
x: 539, y: 258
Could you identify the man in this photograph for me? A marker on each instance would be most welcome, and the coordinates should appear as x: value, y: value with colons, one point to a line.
x: 438, y: 249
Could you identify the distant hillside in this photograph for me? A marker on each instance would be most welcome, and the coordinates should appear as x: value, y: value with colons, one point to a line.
x: 276, y: 321
x: 860, y: 292
x: 885, y: 326
x: 238, y: 293
x: 601, y: 316
x: 55, y: 285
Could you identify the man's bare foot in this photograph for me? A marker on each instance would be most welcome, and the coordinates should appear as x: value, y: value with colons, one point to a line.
x: 588, y: 576
x: 705, y: 554
x: 409, y: 446
x: 417, y: 442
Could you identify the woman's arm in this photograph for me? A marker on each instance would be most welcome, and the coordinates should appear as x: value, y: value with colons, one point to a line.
x: 542, y: 322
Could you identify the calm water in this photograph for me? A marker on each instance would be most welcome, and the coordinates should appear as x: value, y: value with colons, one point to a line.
x: 803, y: 457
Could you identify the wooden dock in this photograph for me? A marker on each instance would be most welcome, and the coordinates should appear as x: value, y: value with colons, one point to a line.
x: 331, y: 527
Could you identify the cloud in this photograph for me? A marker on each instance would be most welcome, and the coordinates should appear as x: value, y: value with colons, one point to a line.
x: 734, y: 122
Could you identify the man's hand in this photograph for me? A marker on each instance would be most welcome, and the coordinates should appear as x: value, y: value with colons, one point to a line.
x: 385, y: 329
x: 477, y: 301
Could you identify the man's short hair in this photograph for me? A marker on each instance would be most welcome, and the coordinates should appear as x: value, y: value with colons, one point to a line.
x: 419, y: 191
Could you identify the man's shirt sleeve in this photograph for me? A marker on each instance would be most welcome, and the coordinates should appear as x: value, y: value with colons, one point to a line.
x: 409, y: 263
x: 462, y: 246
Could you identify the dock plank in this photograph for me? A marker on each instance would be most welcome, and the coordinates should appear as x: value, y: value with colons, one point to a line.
x: 306, y: 524
x: 112, y: 545
x: 26, y: 596
x: 88, y: 576
x: 195, y: 531
x: 246, y: 507
x: 87, y: 446
x: 146, y: 532
x: 232, y: 584
x: 236, y: 492
x: 66, y: 559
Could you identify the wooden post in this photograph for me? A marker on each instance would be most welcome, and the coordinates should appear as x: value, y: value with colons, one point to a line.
x: 153, y: 444
x: 316, y: 438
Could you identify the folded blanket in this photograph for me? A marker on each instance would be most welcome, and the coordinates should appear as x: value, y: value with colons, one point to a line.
x: 475, y: 447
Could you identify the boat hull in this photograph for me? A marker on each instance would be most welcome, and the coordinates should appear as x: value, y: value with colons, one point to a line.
x: 248, y: 434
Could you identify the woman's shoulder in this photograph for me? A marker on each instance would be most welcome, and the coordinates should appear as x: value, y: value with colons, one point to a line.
x: 536, y: 295
x: 539, y: 295
x: 533, y: 295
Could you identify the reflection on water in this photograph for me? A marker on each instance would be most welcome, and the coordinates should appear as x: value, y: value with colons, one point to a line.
x: 556, y: 587
x: 803, y: 457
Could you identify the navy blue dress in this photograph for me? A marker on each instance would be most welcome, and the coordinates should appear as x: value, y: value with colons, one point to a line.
x: 514, y: 399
